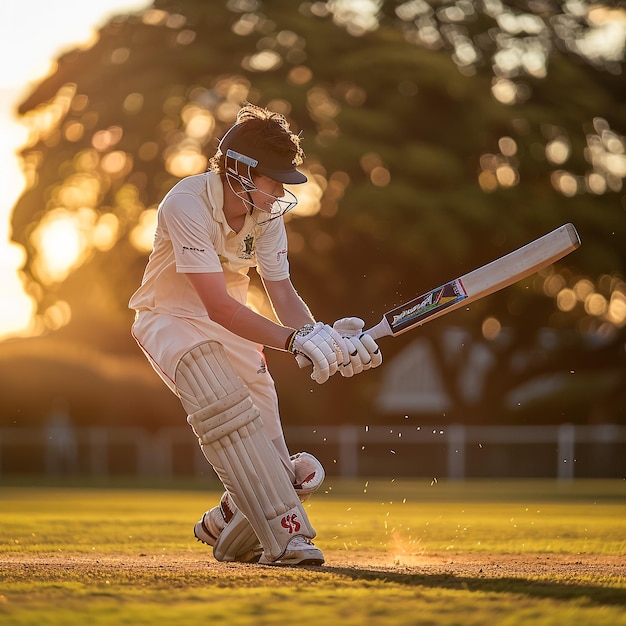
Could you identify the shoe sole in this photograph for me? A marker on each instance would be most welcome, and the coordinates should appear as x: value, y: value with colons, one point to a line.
x: 312, y: 559
x: 312, y: 562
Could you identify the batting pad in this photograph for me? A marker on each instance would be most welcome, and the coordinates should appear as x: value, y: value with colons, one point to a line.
x: 233, y: 440
x: 238, y: 541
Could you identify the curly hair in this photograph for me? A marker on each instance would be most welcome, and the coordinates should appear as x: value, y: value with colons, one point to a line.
x: 264, y: 128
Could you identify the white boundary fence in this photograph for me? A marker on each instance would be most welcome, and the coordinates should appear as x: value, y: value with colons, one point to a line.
x: 145, y: 453
x: 457, y: 438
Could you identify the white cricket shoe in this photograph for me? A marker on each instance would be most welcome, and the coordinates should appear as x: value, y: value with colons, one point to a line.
x: 299, y: 551
x: 210, y: 526
x: 226, y: 520
x: 213, y: 521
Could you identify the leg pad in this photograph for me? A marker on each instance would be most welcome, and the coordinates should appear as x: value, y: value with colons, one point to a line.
x: 234, y: 441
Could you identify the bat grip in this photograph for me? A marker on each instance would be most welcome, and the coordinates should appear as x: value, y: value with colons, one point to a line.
x: 303, y: 361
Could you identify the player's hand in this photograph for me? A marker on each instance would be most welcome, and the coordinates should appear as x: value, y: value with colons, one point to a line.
x: 323, y: 346
x: 364, y: 351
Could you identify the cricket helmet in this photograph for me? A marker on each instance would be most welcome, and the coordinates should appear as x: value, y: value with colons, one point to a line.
x: 265, y: 146
x: 260, y: 157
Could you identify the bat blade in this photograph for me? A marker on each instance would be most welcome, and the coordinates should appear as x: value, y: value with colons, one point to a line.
x: 479, y: 283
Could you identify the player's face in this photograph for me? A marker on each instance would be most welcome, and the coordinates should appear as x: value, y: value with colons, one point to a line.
x: 266, y: 193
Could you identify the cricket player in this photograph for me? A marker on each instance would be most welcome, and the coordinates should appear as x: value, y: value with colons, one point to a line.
x: 194, y: 327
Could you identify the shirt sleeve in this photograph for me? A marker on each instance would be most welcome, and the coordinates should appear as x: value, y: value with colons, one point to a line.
x: 271, y: 251
x: 185, y: 219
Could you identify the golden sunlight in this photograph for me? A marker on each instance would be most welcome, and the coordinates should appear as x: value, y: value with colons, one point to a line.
x: 185, y: 162
x: 16, y: 308
x: 491, y: 328
x: 61, y: 243
x: 617, y: 308
x: 142, y: 236
x: 106, y: 232
x: 32, y: 45
x: 309, y: 198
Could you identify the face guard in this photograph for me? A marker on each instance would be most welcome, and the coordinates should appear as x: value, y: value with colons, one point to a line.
x: 239, y: 176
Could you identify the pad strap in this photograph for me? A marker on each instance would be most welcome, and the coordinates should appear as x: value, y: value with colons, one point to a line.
x: 225, y: 415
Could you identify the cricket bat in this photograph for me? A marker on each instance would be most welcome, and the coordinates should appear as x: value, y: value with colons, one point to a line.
x: 477, y: 284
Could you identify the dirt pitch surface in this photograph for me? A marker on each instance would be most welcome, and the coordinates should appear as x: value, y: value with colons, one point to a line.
x: 455, y: 565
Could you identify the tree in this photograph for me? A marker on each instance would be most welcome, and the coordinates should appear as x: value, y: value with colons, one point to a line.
x: 439, y: 136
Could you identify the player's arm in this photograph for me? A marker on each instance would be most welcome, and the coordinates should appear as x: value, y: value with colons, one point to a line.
x: 322, y: 345
x: 234, y: 316
x: 288, y: 306
x: 290, y: 309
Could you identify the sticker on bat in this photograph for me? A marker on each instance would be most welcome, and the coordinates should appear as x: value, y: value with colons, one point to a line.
x: 426, y: 305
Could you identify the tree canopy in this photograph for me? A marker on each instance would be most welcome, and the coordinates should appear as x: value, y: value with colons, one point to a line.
x: 439, y: 136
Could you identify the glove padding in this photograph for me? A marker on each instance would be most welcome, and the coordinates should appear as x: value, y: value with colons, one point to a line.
x: 364, y: 351
x: 324, y: 347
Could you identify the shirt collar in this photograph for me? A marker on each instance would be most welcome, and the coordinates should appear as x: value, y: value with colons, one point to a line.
x: 215, y: 191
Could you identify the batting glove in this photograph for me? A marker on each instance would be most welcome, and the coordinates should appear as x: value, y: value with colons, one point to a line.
x: 364, y: 351
x: 323, y: 346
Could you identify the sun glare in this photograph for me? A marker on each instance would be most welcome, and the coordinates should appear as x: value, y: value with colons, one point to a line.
x: 309, y: 198
x: 142, y: 236
x: 31, y: 45
x: 16, y: 308
x: 59, y: 246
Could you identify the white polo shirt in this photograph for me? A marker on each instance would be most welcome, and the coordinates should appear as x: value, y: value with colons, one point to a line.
x: 193, y: 236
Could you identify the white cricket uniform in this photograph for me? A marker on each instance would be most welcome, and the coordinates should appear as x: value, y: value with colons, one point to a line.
x: 193, y: 236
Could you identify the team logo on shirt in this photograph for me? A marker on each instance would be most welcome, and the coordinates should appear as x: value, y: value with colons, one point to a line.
x: 247, y: 248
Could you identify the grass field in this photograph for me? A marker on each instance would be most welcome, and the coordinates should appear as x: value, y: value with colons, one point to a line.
x: 398, y: 553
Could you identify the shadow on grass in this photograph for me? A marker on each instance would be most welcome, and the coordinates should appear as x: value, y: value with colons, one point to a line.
x: 593, y: 594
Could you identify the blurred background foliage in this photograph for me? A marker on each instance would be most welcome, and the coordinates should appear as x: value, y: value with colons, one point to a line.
x: 439, y: 136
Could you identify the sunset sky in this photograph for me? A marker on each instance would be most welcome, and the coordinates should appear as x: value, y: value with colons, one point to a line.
x: 32, y: 34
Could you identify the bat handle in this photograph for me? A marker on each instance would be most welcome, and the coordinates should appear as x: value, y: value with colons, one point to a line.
x: 382, y: 329
x: 303, y: 361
